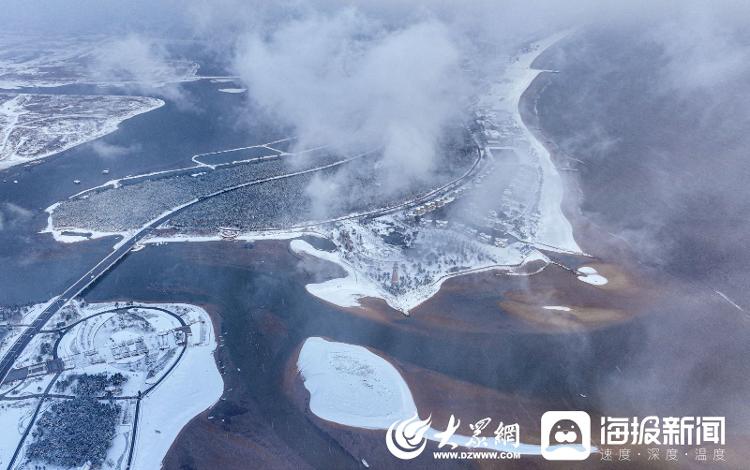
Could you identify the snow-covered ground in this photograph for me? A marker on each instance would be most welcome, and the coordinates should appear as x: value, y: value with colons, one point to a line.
x: 546, y: 224
x: 343, y: 291
x: 404, y: 276
x: 352, y: 386
x: 233, y: 90
x: 559, y: 308
x: 140, y: 344
x: 194, y: 385
x: 589, y: 275
x: 26, y: 61
x: 247, y: 237
x: 117, y: 454
x: 14, y: 418
x: 143, y: 344
x: 37, y: 126
x: 29, y: 387
x: 32, y: 354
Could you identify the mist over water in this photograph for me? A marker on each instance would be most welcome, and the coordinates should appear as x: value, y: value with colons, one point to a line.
x: 659, y: 160
x: 651, y: 98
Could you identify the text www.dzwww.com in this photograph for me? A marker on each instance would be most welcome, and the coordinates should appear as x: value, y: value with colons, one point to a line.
x: 476, y: 455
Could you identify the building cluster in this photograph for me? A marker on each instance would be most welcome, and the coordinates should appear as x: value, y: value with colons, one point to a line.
x: 401, y: 256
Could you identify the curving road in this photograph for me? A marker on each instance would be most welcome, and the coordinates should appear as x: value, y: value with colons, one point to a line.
x: 42, y: 396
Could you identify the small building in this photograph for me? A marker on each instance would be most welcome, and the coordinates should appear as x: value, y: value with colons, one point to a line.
x: 228, y: 233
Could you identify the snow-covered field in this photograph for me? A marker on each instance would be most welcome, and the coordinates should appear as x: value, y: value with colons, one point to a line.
x: 171, y: 366
x: 37, y: 126
x: 39, y: 61
x: 233, y: 90
x: 589, y: 275
x: 14, y: 418
x: 352, y: 386
x: 343, y: 291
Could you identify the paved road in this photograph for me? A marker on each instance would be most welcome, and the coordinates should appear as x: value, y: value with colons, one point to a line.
x: 74, y: 290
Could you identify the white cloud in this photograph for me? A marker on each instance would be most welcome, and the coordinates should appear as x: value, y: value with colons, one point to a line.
x: 348, y: 81
x: 144, y: 65
x: 107, y: 150
x: 12, y: 214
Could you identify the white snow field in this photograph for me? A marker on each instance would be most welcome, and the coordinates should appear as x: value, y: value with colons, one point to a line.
x: 352, y: 386
x: 37, y: 126
x: 170, y: 365
x: 548, y: 227
x: 589, y: 275
x: 434, y: 256
x: 14, y: 418
x: 26, y: 61
x: 192, y: 387
x: 559, y: 308
x: 343, y: 291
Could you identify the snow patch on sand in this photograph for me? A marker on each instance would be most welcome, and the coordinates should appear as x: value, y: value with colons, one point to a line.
x: 589, y: 275
x: 352, y: 386
x: 233, y: 90
x: 560, y: 308
x: 14, y: 418
x: 344, y: 291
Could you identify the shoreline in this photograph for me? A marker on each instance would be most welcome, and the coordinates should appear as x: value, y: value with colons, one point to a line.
x: 594, y: 241
x: 111, y: 124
